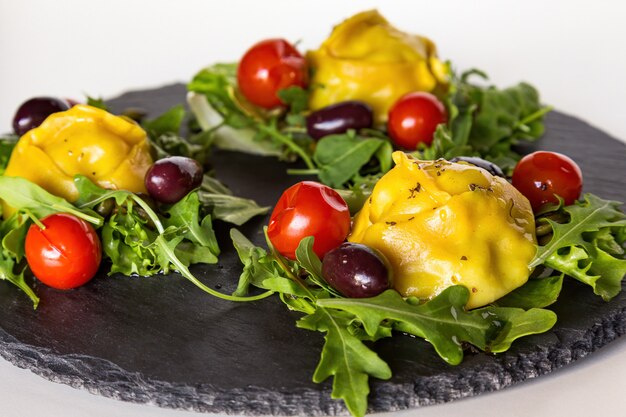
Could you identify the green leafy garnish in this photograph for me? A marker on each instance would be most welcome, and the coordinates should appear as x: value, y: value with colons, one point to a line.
x: 97, y: 102
x: 13, y: 234
x: 536, y: 293
x: 486, y: 121
x: 138, y: 240
x: 22, y: 194
x: 340, y: 157
x: 483, y: 121
x: 7, y: 143
x: 349, y: 323
x: 346, y: 358
x: 581, y: 246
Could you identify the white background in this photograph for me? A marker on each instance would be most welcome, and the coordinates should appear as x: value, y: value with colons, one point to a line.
x: 573, y: 51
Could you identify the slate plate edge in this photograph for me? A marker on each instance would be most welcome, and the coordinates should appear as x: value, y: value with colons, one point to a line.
x: 102, y: 377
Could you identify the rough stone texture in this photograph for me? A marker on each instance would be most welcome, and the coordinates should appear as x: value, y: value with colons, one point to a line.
x: 161, y: 341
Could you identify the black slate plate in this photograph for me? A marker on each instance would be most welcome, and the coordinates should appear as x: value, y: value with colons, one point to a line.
x: 161, y: 340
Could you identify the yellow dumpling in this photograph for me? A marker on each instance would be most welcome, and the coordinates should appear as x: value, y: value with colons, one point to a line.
x: 441, y: 224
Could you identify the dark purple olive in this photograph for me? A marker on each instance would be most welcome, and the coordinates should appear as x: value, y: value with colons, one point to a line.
x: 490, y: 167
x: 356, y: 270
x: 34, y: 111
x: 170, y: 179
x: 338, y: 118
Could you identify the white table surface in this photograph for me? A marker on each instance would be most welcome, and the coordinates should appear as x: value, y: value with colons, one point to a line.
x: 573, y: 51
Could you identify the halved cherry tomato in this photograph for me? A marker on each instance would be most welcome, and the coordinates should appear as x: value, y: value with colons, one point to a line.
x: 414, y: 118
x: 541, y: 176
x: 66, y: 254
x: 268, y: 67
x: 309, y: 209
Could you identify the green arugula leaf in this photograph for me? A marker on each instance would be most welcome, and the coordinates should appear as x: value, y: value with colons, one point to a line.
x: 218, y: 83
x: 574, y: 247
x: 518, y: 323
x: 442, y: 321
x: 312, y: 264
x: 13, y: 235
x: 97, y: 102
x: 536, y: 293
x: 296, y: 98
x: 90, y: 194
x: 340, y: 157
x: 445, y: 145
x: 169, y: 122
x: 262, y: 271
x: 608, y: 240
x: 611, y: 271
x: 126, y: 241
x: 7, y: 265
x: 383, y: 155
x: 212, y: 185
x: 345, y: 358
x: 25, y: 195
x: 249, y: 255
x: 184, y: 215
x: 14, y: 238
x: 165, y: 139
x: 486, y: 121
x: 503, y: 116
x: 7, y: 143
x: 231, y: 209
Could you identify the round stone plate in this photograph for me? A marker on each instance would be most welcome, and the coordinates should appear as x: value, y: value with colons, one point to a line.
x: 161, y: 340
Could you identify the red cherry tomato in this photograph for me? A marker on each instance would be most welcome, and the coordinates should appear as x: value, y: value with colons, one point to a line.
x: 309, y: 209
x: 413, y: 119
x: 542, y: 175
x: 66, y: 254
x: 268, y: 67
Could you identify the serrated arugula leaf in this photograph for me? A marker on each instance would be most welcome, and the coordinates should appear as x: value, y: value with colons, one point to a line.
x: 573, y: 261
x: 518, y: 323
x: 576, y: 245
x: 442, y: 321
x: 346, y: 358
x: 611, y: 271
x: 536, y: 293
x: 253, y: 271
x: 608, y: 240
x: 340, y: 157
x: 312, y: 264
x: 185, y: 215
x: 262, y: 271
x: 590, y: 215
x: 126, y: 241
